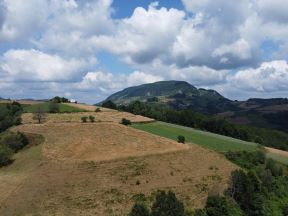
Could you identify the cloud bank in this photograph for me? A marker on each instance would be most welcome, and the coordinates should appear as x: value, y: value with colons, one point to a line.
x: 53, y: 46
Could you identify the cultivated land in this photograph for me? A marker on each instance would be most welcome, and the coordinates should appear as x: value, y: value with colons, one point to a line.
x: 101, y: 168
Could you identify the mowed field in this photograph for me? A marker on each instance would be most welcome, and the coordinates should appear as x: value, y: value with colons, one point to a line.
x: 102, y: 168
x: 205, y: 139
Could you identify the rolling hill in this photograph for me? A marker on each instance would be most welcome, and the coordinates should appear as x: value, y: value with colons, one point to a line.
x: 267, y: 113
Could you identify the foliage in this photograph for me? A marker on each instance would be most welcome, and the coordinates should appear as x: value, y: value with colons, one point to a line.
x: 125, y: 121
x: 54, y: 107
x: 167, y: 204
x: 139, y: 209
x: 98, y: 109
x: 246, y: 159
x: 263, y: 190
x: 84, y: 119
x: 181, y: 139
x: 5, y: 155
x: 109, y: 104
x: 14, y: 141
x: 10, y: 115
x: 221, y: 206
x: 92, y: 118
x: 58, y: 99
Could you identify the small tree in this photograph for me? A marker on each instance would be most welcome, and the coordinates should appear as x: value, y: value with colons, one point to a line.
x: 125, y: 121
x: 84, y: 119
x: 39, y: 114
x: 181, y: 139
x: 98, y: 109
x: 139, y: 209
x: 92, y: 118
x: 54, y: 107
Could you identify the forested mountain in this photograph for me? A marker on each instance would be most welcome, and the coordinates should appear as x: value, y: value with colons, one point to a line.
x: 180, y: 95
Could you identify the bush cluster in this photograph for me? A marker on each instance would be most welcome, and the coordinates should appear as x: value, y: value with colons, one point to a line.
x: 125, y: 121
x: 11, y: 143
x: 91, y: 118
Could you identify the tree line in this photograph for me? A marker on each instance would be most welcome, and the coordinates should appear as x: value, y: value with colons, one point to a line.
x: 10, y: 143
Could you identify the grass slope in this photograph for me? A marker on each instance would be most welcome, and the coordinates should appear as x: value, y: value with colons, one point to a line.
x: 63, y: 108
x: 205, y: 139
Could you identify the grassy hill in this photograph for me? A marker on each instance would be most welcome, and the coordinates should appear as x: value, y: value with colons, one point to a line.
x: 176, y: 94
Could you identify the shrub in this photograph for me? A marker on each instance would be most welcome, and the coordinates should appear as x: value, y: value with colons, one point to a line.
x: 92, y: 118
x: 181, y: 139
x: 15, y: 141
x: 98, y: 109
x: 221, y: 206
x: 5, y: 155
x: 139, y: 209
x: 125, y: 121
x: 84, y: 119
x: 167, y: 204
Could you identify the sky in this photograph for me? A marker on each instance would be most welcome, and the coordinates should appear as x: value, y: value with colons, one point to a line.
x: 89, y: 49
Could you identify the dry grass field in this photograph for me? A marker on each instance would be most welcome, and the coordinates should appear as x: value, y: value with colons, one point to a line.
x: 115, y: 116
x: 90, y: 108
x: 98, y: 141
x: 101, y: 168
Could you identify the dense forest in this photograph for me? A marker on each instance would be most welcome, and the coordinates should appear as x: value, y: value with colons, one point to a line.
x: 266, y: 137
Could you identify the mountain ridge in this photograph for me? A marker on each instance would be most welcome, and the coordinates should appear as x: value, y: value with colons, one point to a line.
x: 177, y: 95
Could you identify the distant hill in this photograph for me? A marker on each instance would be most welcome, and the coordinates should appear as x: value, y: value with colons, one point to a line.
x: 177, y: 95
x: 268, y: 113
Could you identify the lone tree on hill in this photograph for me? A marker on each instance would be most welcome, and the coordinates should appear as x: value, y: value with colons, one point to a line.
x: 181, y: 139
x: 92, y: 118
x: 125, y: 121
x: 84, y: 119
x: 39, y: 114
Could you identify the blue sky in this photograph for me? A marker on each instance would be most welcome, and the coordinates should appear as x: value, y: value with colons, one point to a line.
x: 90, y: 49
